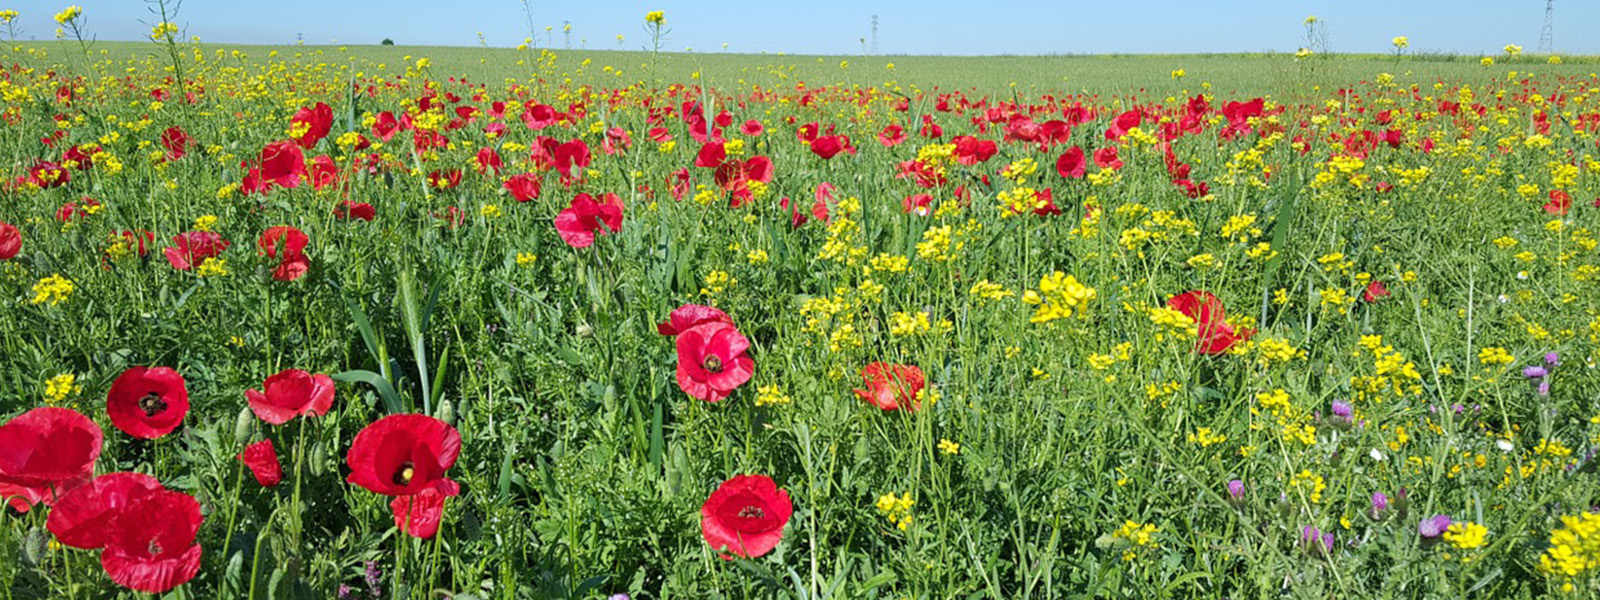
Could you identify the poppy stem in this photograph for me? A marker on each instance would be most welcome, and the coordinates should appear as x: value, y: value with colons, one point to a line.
x: 233, y: 510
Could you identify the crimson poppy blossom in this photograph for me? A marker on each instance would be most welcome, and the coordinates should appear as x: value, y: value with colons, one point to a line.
x: 177, y: 142
x: 280, y: 164
x: 10, y: 241
x: 151, y: 546
x: 312, y: 123
x: 147, y: 403
x: 892, y: 135
x: 522, y: 186
x: 322, y: 172
x: 46, y: 174
x: 918, y: 204
x: 745, y: 517
x: 689, y: 316
x: 287, y: 245
x: 262, y: 459
x: 585, y: 218
x: 752, y: 128
x: 419, y: 514
x: 712, y: 361
x: 572, y: 154
x: 44, y: 453
x: 892, y: 387
x: 355, y: 210
x: 1560, y: 202
x: 829, y: 146
x: 488, y: 160
x: 1106, y: 158
x: 1072, y: 165
x: 444, y: 180
x: 1375, y: 291
x: 1215, y: 335
x: 82, y: 518
x: 385, y: 125
x: 289, y: 394
x: 971, y: 151
x: 401, y: 455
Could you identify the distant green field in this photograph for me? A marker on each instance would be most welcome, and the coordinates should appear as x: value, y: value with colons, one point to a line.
x: 1120, y: 74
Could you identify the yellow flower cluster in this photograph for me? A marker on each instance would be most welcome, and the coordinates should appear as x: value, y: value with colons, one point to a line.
x: 1574, y: 548
x: 54, y: 289
x: 1058, y: 296
x: 897, y: 509
x: 771, y: 395
x: 70, y: 14
x: 57, y: 388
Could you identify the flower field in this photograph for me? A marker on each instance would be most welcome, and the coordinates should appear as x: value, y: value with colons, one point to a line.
x: 317, y: 323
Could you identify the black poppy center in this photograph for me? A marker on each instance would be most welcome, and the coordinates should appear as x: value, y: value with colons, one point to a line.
x: 751, y: 512
x: 713, y: 364
x: 404, y: 473
x: 152, y: 404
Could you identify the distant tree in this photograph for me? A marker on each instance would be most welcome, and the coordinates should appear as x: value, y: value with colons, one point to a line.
x: 387, y: 42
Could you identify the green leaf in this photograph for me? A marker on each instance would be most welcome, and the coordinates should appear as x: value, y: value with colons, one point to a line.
x: 386, y: 393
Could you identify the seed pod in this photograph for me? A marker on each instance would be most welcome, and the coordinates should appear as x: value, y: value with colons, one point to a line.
x: 244, y: 425
x: 447, y: 412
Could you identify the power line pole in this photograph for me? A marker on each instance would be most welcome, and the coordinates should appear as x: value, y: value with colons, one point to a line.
x: 1547, y: 36
x: 874, y: 34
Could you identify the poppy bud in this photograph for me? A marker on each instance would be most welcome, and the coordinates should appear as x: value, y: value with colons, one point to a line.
x: 447, y: 412
x: 244, y: 425
x: 34, y: 545
x: 585, y: 331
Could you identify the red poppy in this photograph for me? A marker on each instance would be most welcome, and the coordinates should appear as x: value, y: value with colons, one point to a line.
x: 82, y: 519
x: 419, y: 514
x: 523, y: 186
x: 355, y: 210
x: 751, y: 128
x: 444, y: 180
x: 712, y: 361
x: 1560, y: 202
x: 401, y: 455
x: 147, y: 402
x: 1375, y: 291
x: 150, y: 545
x: 1125, y: 121
x: 385, y: 126
x: 970, y: 150
x: 745, y: 517
x: 316, y: 121
x: 46, y: 174
x: 79, y: 157
x: 891, y: 136
x: 323, y: 172
x: 1072, y: 165
x: 262, y: 459
x: 280, y: 164
x: 1216, y: 336
x: 919, y: 204
x: 194, y: 247
x: 488, y: 160
x: 571, y: 154
x: 689, y: 316
x: 711, y: 156
x: 586, y: 218
x: 290, y: 394
x: 177, y: 142
x: 406, y: 456
x: 829, y: 146
x: 44, y: 453
x: 1106, y: 158
x: 287, y: 245
x: 72, y: 210
x: 892, y: 387
x: 10, y: 241
x: 135, y: 241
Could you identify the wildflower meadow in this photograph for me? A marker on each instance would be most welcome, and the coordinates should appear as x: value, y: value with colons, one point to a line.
x: 372, y: 322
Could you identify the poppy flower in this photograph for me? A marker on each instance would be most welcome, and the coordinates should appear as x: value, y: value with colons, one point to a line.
x: 385, y: 125
x: 150, y: 545
x: 44, y: 453
x: 970, y: 150
x: 262, y: 459
x: 891, y: 136
x: 488, y: 160
x: 83, y: 517
x: 287, y: 245
x: 1375, y: 291
x: 523, y: 186
x: 290, y: 394
x: 829, y: 146
x: 46, y: 174
x: 323, y: 172
x: 689, y: 316
x: 73, y: 210
x: 710, y: 156
x: 177, y: 142
x: 312, y: 123
x: 571, y: 154
x: 147, y: 402
x: 80, y: 157
x: 712, y: 361
x: 10, y: 241
x: 585, y: 218
x: 892, y: 387
x: 444, y: 180
x: 1216, y: 336
x: 401, y: 455
x: 745, y: 517
x: 1560, y: 202
x: 919, y: 204
x: 1072, y: 165
x: 1106, y: 158
x: 419, y: 514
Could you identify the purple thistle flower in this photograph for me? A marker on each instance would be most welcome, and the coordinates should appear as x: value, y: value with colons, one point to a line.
x: 1544, y: 388
x: 619, y: 597
x: 1236, y: 490
x: 1343, y: 409
x: 1534, y: 372
x: 1315, y: 541
x: 1552, y: 359
x: 1380, y: 502
x: 1433, y: 527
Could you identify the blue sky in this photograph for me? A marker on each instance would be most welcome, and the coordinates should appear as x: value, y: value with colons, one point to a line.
x: 836, y: 26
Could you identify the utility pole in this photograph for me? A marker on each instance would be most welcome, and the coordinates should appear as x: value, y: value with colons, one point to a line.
x: 874, y: 34
x: 1547, y: 42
